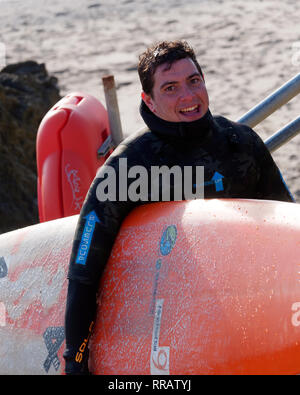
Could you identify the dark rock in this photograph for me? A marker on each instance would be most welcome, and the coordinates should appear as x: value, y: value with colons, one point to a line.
x: 27, y: 92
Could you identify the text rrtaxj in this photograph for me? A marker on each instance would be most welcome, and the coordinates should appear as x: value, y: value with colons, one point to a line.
x: 182, y: 385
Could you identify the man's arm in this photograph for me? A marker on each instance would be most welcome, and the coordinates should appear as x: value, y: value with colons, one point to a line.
x: 97, y: 228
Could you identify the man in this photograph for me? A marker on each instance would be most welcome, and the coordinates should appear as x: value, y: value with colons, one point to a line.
x: 182, y: 132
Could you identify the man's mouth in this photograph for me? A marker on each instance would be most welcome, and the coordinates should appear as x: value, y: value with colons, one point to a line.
x: 190, y: 110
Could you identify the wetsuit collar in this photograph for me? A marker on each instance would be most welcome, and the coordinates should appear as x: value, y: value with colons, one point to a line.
x: 199, y: 129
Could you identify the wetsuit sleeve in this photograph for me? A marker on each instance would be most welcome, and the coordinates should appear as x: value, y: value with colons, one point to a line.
x: 98, y: 225
x: 271, y: 185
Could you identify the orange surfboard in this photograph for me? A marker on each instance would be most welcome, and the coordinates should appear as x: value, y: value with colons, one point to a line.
x: 198, y: 287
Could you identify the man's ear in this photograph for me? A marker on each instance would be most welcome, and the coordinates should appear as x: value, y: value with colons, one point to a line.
x: 147, y: 99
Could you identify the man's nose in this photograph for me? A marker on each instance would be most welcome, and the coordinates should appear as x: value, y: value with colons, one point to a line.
x: 187, y: 93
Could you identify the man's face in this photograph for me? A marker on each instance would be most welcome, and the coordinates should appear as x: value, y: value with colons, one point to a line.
x: 179, y: 93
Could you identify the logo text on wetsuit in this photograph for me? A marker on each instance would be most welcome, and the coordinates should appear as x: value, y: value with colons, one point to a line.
x: 90, y: 222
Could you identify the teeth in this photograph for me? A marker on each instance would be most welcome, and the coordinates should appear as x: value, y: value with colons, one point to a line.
x: 189, y: 109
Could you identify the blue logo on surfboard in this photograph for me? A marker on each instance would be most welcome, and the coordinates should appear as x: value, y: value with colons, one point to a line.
x: 168, y: 240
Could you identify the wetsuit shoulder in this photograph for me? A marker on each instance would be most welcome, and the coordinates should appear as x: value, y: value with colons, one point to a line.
x: 140, y: 138
x: 232, y: 126
x: 240, y: 136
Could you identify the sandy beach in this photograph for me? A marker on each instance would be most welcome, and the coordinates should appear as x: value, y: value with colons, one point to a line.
x: 246, y: 50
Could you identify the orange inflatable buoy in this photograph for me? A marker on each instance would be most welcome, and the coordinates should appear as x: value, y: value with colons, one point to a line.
x: 68, y: 142
x: 198, y: 287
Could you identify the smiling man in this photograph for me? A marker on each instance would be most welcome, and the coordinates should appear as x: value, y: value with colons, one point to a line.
x: 182, y: 134
x: 179, y: 93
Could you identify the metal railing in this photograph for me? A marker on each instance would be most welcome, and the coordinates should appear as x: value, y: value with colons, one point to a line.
x: 253, y: 117
x: 269, y: 105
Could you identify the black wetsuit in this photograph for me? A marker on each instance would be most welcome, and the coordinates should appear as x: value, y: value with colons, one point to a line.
x: 232, y: 151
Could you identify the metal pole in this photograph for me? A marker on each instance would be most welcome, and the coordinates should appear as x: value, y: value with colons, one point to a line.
x: 112, y: 109
x: 271, y: 103
x: 283, y: 135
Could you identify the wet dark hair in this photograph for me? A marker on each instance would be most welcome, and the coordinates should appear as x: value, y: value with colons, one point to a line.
x: 163, y: 52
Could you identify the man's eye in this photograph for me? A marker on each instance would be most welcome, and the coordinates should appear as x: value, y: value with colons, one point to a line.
x: 170, y: 88
x: 195, y: 81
